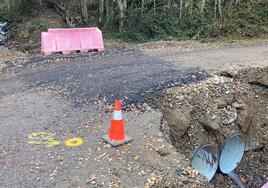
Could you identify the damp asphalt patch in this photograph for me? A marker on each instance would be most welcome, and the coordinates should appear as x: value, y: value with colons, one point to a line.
x: 114, y: 74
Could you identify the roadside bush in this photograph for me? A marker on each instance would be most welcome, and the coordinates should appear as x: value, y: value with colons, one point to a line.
x: 13, y: 15
x: 160, y: 20
x: 163, y: 24
x: 247, y: 20
x: 17, y: 10
x: 250, y: 20
x: 43, y: 26
x: 24, y: 34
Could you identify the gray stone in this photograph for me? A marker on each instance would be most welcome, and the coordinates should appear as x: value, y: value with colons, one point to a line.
x: 262, y: 80
x: 238, y: 104
x: 163, y: 151
x: 245, y: 116
x: 253, y: 145
x: 178, y: 120
x: 213, y: 122
x: 228, y: 73
x: 230, y: 117
x: 224, y: 101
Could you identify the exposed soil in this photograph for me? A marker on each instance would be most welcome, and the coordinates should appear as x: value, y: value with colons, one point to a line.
x: 217, y: 107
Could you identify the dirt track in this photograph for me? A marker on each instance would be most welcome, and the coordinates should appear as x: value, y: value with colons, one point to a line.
x: 211, y: 57
x: 67, y: 96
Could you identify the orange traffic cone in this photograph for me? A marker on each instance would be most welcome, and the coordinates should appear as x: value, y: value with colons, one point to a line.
x: 116, y: 136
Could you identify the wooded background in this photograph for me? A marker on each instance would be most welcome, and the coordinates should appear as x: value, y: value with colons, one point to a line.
x: 156, y: 19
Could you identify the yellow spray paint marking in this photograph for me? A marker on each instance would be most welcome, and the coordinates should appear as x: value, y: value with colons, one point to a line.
x: 74, y: 142
x: 42, y: 138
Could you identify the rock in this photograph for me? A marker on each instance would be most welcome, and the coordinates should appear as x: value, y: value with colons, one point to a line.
x: 228, y: 73
x: 224, y: 101
x: 246, y: 116
x: 116, y: 173
x: 262, y: 80
x: 253, y: 146
x: 221, y: 103
x: 178, y: 120
x: 230, y: 116
x: 31, y: 42
x: 238, y: 104
x: 213, y: 122
x: 163, y: 151
x: 165, y: 130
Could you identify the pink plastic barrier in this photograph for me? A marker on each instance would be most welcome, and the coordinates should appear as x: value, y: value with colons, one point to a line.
x: 72, y: 39
x: 265, y: 185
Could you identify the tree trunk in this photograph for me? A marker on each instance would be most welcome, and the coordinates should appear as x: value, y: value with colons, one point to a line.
x: 154, y: 6
x: 169, y: 3
x: 84, y: 4
x: 101, y: 10
x: 7, y: 4
x: 202, y: 6
x: 220, y: 12
x: 142, y: 6
x: 61, y: 10
x: 215, y: 8
x: 122, y: 6
x: 41, y: 2
x: 229, y: 5
x: 181, y: 8
x: 109, y: 9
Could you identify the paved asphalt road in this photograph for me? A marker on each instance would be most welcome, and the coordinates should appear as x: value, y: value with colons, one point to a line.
x: 115, y: 74
x: 60, y: 95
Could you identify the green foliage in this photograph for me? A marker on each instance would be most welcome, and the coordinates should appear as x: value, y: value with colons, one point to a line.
x: 163, y: 24
x: 249, y: 19
x: 30, y: 29
x: 24, y: 34
x: 195, y: 25
x: 13, y: 15
x: 17, y: 10
x: 43, y: 26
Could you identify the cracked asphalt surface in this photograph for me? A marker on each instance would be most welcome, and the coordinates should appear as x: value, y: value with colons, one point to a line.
x: 64, y: 95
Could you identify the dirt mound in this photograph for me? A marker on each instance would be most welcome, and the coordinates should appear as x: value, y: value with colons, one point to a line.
x: 215, y: 108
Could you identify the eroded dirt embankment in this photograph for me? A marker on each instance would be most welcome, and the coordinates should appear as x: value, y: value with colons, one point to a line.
x: 223, y: 104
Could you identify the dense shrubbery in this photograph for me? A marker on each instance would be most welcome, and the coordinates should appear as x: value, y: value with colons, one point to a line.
x: 17, y: 9
x: 161, y: 20
x: 164, y: 24
x: 248, y: 20
x: 10, y: 16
